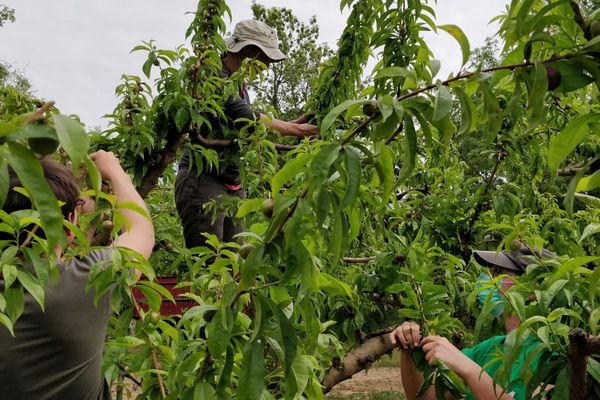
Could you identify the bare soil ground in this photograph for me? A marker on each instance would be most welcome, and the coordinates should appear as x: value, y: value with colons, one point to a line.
x: 376, y: 379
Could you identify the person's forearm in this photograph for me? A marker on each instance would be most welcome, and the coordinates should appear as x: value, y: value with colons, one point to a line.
x: 283, y: 127
x: 125, y: 192
x: 412, y: 378
x: 483, y: 387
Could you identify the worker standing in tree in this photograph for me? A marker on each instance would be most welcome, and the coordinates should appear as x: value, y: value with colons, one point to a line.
x: 194, y: 187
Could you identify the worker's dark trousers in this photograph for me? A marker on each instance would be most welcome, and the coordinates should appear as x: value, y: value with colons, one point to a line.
x: 191, y: 192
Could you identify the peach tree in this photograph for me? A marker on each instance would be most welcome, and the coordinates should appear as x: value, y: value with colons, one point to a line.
x: 369, y: 225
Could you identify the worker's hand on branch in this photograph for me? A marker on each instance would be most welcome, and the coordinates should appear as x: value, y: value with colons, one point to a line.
x: 407, y: 336
x: 307, y: 130
x: 439, y: 348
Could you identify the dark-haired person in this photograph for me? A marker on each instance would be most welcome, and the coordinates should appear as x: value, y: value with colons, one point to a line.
x: 56, y: 353
x: 194, y: 187
x: 476, y: 365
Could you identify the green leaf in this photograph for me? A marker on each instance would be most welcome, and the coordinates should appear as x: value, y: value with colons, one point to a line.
x: 72, y: 138
x: 443, y: 103
x: 468, y: 122
x: 589, y: 230
x: 218, y: 336
x: 353, y: 171
x: 410, y: 149
x: 4, y: 181
x: 333, y: 114
x: 570, y: 265
x: 31, y: 175
x: 537, y: 94
x: 567, y: 140
x: 320, y: 165
x: 290, y: 170
x: 182, y: 117
x: 594, y: 369
x: 572, y: 75
x: 461, y: 38
x: 248, y: 206
x: 391, y: 72
x: 570, y: 195
x: 4, y: 320
x: 384, y: 165
x: 590, y: 201
x: 252, y: 373
x: 32, y: 286
x: 250, y: 267
x: 589, y: 183
x: 158, y: 288
x: 9, y: 275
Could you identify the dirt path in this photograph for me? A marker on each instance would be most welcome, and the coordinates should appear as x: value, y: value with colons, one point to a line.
x: 377, y: 379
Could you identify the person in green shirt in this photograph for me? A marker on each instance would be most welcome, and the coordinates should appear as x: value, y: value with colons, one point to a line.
x: 476, y: 365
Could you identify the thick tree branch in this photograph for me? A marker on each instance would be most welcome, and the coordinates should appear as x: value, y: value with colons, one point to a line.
x: 581, y: 345
x: 358, y: 359
x: 164, y: 158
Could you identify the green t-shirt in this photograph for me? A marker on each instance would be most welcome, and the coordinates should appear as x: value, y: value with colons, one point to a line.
x: 57, y: 353
x: 485, y: 355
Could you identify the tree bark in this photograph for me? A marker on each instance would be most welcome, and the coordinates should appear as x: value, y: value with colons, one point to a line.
x: 358, y: 359
x: 581, y: 345
x: 165, y: 157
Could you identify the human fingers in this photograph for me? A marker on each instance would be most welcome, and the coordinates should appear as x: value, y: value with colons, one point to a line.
x: 398, y: 339
x: 411, y: 331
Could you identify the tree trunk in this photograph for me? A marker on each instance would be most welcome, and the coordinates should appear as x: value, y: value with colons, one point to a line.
x: 581, y: 345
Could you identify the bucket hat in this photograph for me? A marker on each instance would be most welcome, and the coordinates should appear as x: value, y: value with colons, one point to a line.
x: 516, y: 260
x: 257, y: 33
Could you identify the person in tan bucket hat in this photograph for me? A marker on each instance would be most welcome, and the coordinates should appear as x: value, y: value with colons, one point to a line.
x: 195, y: 185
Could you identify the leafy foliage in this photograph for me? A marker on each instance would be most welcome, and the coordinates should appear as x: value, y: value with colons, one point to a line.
x: 411, y: 173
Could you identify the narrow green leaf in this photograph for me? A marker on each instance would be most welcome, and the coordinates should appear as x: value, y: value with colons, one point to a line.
x: 353, y: 171
x: 291, y: 169
x: 182, y: 117
x: 567, y: 140
x: 410, y: 148
x: 391, y: 72
x: 323, y: 202
x: 461, y: 38
x: 320, y: 165
x: 537, y: 94
x: 594, y: 369
x: 589, y: 230
x: 336, y: 111
x: 32, y: 286
x: 4, y: 320
x: 384, y: 165
x: 468, y: 122
x: 4, y: 180
x: 250, y: 267
x: 589, y: 183
x: 72, y: 138
x: 443, y: 103
x: 252, y: 373
x: 590, y: 201
x: 248, y: 206
x: 218, y: 336
x: 31, y: 175
x: 570, y: 195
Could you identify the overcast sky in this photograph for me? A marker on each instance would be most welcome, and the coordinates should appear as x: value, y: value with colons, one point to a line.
x: 75, y: 51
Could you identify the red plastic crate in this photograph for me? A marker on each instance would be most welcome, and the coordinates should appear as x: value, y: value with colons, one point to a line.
x: 167, y: 308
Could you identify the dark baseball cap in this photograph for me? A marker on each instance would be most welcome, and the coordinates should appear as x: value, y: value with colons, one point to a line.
x: 514, y: 260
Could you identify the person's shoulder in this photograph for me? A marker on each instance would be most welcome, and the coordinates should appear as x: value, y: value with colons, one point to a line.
x: 96, y: 256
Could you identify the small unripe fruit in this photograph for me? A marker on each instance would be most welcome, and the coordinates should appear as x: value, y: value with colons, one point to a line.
x: 267, y: 207
x: 43, y: 146
x: 245, y: 250
x: 108, y: 226
x: 154, y: 317
x: 370, y: 109
x: 554, y: 78
x: 515, y: 245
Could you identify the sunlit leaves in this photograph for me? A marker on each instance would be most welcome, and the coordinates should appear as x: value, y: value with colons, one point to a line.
x: 461, y: 38
x: 568, y: 138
